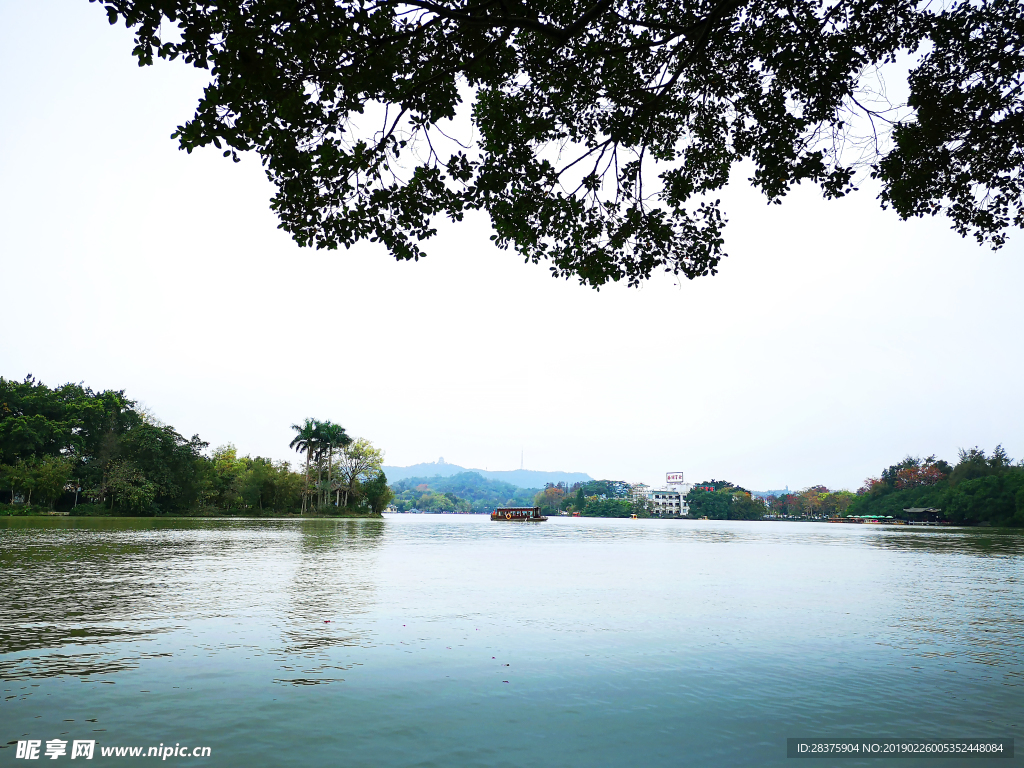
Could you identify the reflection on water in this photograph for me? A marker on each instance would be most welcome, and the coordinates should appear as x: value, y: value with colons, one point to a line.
x: 444, y: 640
x: 331, y: 588
x: 82, y: 597
x: 966, y: 607
x: 973, y: 541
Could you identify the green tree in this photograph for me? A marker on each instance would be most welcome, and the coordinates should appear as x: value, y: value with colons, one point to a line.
x: 128, y: 488
x: 550, y: 500
x: 287, y: 489
x: 173, y: 464
x: 254, y: 483
x: 714, y: 505
x: 49, y: 430
x: 745, y: 507
x: 227, y: 477
x: 358, y: 463
x: 608, y: 508
x: 973, y: 463
x: 305, y: 441
x: 133, y: 463
x: 640, y: 506
x: 837, y: 503
x: 725, y: 502
x: 35, y: 420
x: 52, y: 474
x: 980, y: 489
x: 580, y: 502
x: 482, y: 493
x: 71, y: 419
x: 443, y: 502
x: 7, y: 479
x: 601, y: 130
x: 334, y: 437
x: 996, y: 499
x: 257, y: 483
x: 377, y: 493
x: 43, y: 476
x: 22, y: 478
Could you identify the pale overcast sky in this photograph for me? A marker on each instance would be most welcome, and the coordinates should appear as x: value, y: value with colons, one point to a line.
x: 835, y: 340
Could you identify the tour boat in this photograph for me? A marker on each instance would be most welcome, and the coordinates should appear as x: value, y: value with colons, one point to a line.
x: 518, y: 514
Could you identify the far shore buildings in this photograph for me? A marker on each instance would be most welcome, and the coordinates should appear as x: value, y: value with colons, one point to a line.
x: 639, y: 491
x: 669, y: 501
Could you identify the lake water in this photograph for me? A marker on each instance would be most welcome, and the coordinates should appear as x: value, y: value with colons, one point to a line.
x: 436, y: 640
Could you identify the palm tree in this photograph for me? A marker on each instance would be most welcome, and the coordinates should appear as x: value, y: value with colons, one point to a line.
x: 334, y: 436
x: 305, y: 440
x: 320, y: 446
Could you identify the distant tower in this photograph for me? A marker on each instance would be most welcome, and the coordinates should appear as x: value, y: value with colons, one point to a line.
x: 521, y: 454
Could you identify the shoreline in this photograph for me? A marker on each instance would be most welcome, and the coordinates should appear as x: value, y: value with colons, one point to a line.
x: 244, y: 516
x: 371, y: 516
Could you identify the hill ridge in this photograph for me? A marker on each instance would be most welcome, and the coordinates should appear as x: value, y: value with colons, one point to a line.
x: 521, y: 478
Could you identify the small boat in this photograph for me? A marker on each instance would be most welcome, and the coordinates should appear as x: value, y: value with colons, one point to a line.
x: 518, y: 514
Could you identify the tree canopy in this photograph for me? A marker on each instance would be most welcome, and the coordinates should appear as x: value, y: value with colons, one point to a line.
x: 721, y: 500
x: 99, y: 440
x: 68, y: 444
x: 595, y: 133
x: 464, y: 492
x: 979, y: 489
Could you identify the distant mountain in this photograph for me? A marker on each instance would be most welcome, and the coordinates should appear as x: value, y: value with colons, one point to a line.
x: 766, y: 494
x: 521, y: 478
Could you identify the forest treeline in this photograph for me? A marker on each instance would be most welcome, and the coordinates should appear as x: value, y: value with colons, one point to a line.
x: 595, y: 498
x: 470, y: 492
x: 978, y: 489
x: 466, y: 492
x: 70, y: 447
x: 722, y: 500
x: 73, y: 449
x: 714, y: 499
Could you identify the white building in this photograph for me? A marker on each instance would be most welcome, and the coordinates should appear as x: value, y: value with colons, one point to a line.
x: 640, y: 491
x: 668, y: 501
x: 671, y: 500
